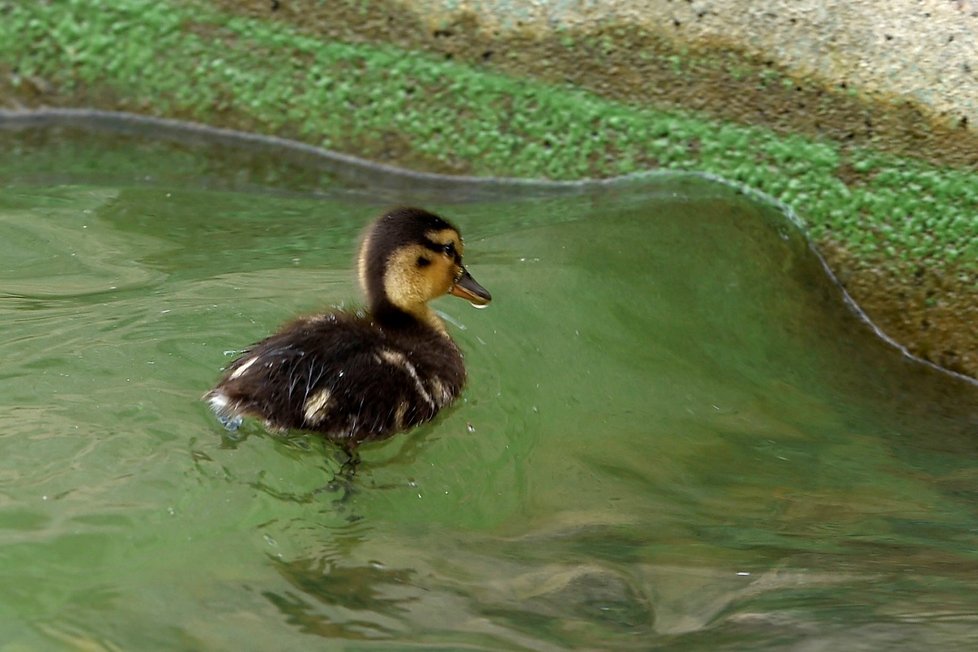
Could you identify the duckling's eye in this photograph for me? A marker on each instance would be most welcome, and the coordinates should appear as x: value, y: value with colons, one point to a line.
x: 449, y: 249
x: 423, y: 262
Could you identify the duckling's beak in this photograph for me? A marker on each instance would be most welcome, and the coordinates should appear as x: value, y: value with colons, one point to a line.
x: 466, y: 287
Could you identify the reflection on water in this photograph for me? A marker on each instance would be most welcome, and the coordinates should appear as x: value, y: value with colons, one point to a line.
x: 676, y: 434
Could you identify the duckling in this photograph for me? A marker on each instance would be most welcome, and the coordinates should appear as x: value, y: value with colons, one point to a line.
x: 361, y: 376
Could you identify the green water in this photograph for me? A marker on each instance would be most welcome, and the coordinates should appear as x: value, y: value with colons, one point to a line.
x: 675, y: 435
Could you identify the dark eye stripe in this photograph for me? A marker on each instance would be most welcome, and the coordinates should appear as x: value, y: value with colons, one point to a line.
x: 443, y: 249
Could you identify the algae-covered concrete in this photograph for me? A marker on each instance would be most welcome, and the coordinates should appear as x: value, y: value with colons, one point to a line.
x: 901, y: 74
x: 859, y: 115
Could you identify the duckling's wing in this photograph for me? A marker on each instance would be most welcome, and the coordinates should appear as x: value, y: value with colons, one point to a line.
x: 341, y: 377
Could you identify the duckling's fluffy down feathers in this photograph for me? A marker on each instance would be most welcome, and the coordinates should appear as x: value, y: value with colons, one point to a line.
x: 341, y: 375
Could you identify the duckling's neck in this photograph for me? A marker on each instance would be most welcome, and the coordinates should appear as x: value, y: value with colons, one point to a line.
x: 388, y: 315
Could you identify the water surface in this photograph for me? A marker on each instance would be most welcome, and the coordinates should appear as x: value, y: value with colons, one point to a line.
x: 676, y: 433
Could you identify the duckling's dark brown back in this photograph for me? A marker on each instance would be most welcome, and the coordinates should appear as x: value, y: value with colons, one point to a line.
x: 339, y: 375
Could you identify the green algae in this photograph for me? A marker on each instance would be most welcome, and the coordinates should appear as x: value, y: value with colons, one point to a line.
x: 187, y: 60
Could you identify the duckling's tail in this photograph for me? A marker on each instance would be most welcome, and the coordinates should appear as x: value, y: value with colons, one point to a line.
x: 227, y: 413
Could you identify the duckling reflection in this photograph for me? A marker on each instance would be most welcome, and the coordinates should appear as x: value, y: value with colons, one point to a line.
x: 364, y: 376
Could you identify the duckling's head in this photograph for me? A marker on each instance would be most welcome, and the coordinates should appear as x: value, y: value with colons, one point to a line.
x: 409, y: 257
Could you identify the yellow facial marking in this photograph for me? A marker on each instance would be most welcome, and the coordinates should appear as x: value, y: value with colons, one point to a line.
x: 409, y: 285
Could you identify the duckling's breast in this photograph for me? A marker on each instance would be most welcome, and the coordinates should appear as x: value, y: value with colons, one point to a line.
x: 342, y: 376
